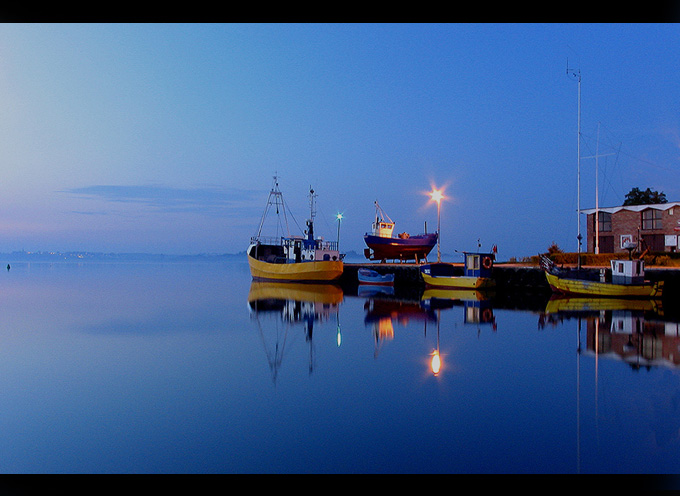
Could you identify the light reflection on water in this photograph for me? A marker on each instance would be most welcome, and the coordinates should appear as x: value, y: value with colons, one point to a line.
x: 174, y: 368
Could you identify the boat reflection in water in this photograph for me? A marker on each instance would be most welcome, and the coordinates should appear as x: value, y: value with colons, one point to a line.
x: 291, y: 304
x: 477, y: 304
x: 634, y: 331
x: 288, y: 305
x: 382, y: 313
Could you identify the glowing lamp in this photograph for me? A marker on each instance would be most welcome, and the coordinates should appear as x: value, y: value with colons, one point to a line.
x: 436, y: 363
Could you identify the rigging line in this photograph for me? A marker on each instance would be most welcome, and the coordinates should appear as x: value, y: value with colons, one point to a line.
x: 294, y: 219
x: 648, y: 162
x: 324, y: 216
x: 614, y: 144
x: 606, y: 177
x: 610, y: 184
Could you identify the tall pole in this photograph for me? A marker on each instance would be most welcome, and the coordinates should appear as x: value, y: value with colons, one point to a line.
x: 437, y: 195
x: 597, y: 190
x: 597, y: 194
x: 439, y: 209
x: 339, y: 217
x: 577, y: 75
x: 578, y: 158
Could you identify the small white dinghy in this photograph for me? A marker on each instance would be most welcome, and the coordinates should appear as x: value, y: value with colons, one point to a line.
x: 368, y: 276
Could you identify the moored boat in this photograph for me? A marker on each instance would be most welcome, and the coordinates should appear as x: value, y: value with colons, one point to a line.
x: 293, y: 258
x: 476, y: 273
x: 369, y: 276
x: 382, y: 245
x: 625, y: 280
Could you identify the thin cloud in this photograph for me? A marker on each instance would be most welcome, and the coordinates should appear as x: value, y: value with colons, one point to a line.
x: 170, y: 199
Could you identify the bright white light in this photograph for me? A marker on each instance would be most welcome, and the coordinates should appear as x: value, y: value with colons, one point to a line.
x: 436, y: 363
x: 437, y: 195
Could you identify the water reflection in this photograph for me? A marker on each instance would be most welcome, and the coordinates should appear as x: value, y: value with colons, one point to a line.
x: 544, y: 392
x: 289, y: 305
x: 477, y: 305
x: 382, y: 313
x: 636, y: 332
x: 640, y: 334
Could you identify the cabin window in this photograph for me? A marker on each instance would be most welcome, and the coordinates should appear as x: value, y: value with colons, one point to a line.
x: 651, y: 219
x: 604, y: 220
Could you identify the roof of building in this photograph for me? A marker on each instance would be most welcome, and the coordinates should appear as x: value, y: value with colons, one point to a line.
x: 631, y: 208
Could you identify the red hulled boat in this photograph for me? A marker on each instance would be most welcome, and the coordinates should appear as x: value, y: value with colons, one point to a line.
x: 382, y: 245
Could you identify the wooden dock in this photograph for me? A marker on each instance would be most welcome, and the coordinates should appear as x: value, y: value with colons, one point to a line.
x: 510, y: 278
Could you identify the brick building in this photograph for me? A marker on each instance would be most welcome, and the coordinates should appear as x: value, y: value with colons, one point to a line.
x: 656, y: 226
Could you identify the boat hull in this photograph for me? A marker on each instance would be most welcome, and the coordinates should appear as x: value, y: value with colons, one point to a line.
x: 595, y: 288
x: 325, y: 270
x: 461, y: 282
x: 414, y: 247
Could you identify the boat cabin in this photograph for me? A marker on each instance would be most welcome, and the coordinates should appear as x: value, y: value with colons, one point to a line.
x: 383, y: 229
x: 295, y: 250
x: 382, y: 225
x: 267, y: 252
x: 628, y: 271
x: 478, y: 264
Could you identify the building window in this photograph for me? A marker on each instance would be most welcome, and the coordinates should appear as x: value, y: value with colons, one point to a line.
x: 651, y: 219
x: 655, y: 242
x: 606, y: 244
x: 605, y: 221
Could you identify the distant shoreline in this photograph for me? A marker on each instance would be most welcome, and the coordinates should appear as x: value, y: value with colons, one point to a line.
x: 85, y: 256
x: 78, y: 256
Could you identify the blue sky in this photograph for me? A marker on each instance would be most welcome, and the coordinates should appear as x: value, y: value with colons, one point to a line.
x: 164, y: 138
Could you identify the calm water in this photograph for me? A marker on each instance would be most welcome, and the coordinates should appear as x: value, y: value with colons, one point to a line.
x: 175, y: 368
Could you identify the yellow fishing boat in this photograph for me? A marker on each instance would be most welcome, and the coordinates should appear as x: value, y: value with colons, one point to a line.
x: 476, y: 274
x: 626, y: 280
x: 293, y: 258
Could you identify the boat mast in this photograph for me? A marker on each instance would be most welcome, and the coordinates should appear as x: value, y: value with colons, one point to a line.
x: 275, y: 198
x: 380, y: 215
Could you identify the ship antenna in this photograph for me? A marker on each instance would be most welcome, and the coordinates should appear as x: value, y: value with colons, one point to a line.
x: 312, y: 214
x: 312, y: 206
